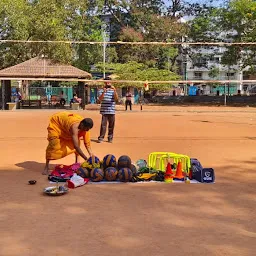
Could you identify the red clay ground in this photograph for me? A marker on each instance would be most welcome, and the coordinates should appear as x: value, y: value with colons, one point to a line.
x: 134, y: 219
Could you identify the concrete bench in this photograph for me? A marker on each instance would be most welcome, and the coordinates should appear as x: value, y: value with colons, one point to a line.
x: 12, y: 105
x: 75, y: 106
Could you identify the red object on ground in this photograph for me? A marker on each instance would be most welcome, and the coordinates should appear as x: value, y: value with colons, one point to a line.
x: 168, y: 172
x: 72, y: 185
x: 179, y: 174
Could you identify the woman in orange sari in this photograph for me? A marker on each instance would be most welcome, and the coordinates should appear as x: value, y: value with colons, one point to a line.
x: 65, y: 131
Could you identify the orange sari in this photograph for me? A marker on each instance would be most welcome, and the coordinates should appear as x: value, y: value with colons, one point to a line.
x: 59, y: 137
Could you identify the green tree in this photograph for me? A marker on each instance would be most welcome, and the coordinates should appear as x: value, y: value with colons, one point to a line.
x: 50, y: 20
x: 139, y: 72
x: 239, y: 22
x: 214, y: 72
x: 145, y: 21
x: 234, y: 22
x: 47, y: 22
x: 14, y: 25
x: 84, y: 24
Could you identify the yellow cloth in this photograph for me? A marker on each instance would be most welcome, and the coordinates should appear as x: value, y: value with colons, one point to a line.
x: 59, y: 136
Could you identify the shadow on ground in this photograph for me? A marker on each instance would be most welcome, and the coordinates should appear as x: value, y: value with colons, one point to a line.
x: 130, y: 219
x: 33, y: 166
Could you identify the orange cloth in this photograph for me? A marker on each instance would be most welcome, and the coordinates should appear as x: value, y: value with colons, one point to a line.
x: 59, y: 136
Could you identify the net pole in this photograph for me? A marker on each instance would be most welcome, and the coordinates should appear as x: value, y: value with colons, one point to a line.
x: 225, y: 96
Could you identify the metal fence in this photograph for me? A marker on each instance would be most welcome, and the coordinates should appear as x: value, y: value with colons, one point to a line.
x: 46, y: 93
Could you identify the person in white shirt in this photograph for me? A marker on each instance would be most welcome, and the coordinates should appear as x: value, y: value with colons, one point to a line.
x: 128, y: 100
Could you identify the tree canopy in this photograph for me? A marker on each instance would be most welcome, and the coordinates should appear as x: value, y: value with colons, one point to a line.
x: 235, y: 22
x: 139, y: 72
x: 130, y: 21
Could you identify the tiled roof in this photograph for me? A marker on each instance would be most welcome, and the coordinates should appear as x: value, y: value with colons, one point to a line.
x: 43, y: 68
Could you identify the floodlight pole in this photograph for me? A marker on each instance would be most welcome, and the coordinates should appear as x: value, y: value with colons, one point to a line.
x: 225, y: 95
x: 185, y: 60
x: 104, y: 49
x: 186, y: 76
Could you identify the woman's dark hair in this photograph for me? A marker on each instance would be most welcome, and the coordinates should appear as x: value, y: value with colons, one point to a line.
x: 87, y: 122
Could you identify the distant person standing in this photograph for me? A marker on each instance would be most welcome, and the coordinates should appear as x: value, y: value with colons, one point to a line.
x: 128, y: 100
x: 107, y: 96
x: 17, y: 98
x: 48, y: 92
x: 17, y: 95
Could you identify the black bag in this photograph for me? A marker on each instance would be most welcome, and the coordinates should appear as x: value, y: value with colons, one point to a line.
x: 204, y: 175
x: 57, y: 179
x: 196, y: 167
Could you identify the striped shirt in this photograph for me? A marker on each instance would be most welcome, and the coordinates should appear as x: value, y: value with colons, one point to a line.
x: 108, y: 103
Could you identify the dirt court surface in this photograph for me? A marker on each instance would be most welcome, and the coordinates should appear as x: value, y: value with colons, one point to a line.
x: 133, y: 219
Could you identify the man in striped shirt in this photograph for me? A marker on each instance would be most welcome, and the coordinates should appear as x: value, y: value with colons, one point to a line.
x: 107, y: 96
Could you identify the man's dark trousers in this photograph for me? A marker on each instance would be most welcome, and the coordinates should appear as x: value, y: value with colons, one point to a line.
x: 110, y: 119
x: 128, y: 102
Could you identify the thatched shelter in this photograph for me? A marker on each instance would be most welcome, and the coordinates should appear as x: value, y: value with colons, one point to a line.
x: 41, y: 69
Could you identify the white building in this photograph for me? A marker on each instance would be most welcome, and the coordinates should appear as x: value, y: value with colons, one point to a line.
x: 201, y: 62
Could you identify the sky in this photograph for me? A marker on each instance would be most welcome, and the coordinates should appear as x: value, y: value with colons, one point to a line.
x: 215, y: 2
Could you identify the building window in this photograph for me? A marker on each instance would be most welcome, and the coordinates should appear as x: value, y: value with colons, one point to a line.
x: 200, y: 62
x: 231, y: 75
x: 217, y: 59
x: 198, y: 75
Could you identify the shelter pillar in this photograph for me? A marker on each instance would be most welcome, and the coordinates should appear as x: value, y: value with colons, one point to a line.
x: 82, y: 93
x: 6, y: 93
x: 25, y: 89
